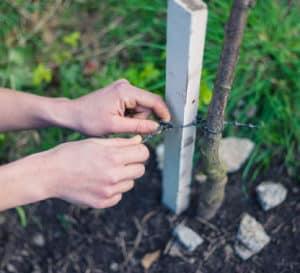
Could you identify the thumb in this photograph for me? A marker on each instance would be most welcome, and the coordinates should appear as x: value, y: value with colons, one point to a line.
x: 134, y: 125
x: 118, y: 141
x: 123, y: 141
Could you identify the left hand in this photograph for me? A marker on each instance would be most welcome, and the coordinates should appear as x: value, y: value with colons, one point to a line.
x: 104, y: 111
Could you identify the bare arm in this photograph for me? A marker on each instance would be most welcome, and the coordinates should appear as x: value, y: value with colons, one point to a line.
x: 100, y: 112
x: 93, y: 172
x: 19, y: 111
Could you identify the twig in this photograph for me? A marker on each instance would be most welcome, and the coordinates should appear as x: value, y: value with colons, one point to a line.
x: 23, y: 12
x: 44, y: 20
x: 140, y: 227
x: 208, y: 224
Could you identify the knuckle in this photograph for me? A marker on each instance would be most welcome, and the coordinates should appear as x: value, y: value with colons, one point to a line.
x: 97, y: 204
x: 139, y: 126
x: 114, y: 126
x: 119, y: 85
x: 114, y: 158
x: 122, y: 81
x: 130, y: 184
x: 107, y: 192
x: 141, y: 170
x: 114, y: 178
x: 116, y: 199
x: 145, y: 151
x: 158, y: 98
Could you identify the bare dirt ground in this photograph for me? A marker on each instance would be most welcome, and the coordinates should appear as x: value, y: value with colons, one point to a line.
x: 116, y: 239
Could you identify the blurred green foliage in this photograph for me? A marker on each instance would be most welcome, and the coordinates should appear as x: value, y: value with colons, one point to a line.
x: 79, y: 46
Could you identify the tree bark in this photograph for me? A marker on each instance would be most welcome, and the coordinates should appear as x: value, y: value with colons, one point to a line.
x: 212, y: 191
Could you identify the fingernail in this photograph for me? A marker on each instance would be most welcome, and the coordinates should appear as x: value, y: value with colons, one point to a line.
x: 137, y: 138
x: 167, y: 119
x: 155, y: 126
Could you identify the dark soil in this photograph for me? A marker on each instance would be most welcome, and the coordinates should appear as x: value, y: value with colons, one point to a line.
x: 116, y: 239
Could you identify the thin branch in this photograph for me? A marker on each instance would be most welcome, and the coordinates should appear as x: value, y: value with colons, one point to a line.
x: 212, y: 191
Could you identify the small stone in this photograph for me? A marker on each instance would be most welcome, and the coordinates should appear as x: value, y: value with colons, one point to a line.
x: 175, y: 250
x: 11, y: 268
x: 37, y: 269
x: 160, y: 151
x: 251, y: 237
x: 201, y: 177
x: 242, y: 251
x: 114, y: 266
x: 192, y: 260
x: 234, y: 152
x: 270, y: 194
x: 38, y: 240
x: 296, y: 190
x: 228, y: 251
x: 187, y: 237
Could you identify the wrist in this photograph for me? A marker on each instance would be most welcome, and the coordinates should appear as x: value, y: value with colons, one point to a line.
x: 25, y: 181
x: 58, y: 112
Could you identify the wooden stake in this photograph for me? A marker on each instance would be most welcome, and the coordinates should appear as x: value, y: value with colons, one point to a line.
x: 186, y: 29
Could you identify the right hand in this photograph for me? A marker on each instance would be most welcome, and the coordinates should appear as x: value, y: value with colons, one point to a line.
x: 96, y: 172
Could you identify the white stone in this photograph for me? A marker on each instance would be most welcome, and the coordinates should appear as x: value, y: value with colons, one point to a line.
x: 234, y: 152
x: 160, y: 151
x: 242, y: 251
x: 114, y: 266
x: 187, y: 237
x: 38, y: 239
x: 270, y: 194
x: 175, y: 250
x: 251, y: 237
x: 11, y: 268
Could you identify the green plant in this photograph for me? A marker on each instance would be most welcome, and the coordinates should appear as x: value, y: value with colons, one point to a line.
x: 22, y: 216
x: 127, y: 39
x: 266, y: 86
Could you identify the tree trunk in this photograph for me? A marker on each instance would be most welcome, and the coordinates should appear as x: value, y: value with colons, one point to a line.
x: 212, y: 191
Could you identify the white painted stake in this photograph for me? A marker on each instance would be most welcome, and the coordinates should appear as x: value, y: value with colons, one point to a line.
x: 186, y: 28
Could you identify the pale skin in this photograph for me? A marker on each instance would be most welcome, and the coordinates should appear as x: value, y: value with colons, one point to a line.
x: 93, y: 172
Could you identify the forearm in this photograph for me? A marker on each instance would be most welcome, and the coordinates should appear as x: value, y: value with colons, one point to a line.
x: 21, y: 111
x: 24, y: 181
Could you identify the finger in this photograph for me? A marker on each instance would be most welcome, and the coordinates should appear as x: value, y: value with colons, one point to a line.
x: 122, y: 187
x: 106, y: 203
x: 119, y: 141
x: 153, y: 101
x: 133, y: 154
x: 131, y: 172
x: 132, y: 125
x: 142, y: 112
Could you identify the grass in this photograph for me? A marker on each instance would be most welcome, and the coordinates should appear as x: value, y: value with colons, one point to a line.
x: 127, y: 39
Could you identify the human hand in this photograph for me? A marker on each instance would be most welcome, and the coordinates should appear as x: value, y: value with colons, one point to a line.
x: 104, y: 111
x: 96, y: 172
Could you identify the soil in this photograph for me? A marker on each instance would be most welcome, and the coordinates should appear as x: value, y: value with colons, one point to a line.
x: 116, y: 239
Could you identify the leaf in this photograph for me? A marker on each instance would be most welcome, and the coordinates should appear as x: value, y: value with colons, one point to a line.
x: 2, y: 137
x: 72, y: 39
x: 19, y: 77
x: 205, y: 94
x: 41, y: 74
x: 149, y: 72
x: 19, y: 55
x: 22, y: 216
x: 150, y: 258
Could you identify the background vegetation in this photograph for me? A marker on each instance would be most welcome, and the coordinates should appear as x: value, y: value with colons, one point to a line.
x: 69, y: 48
